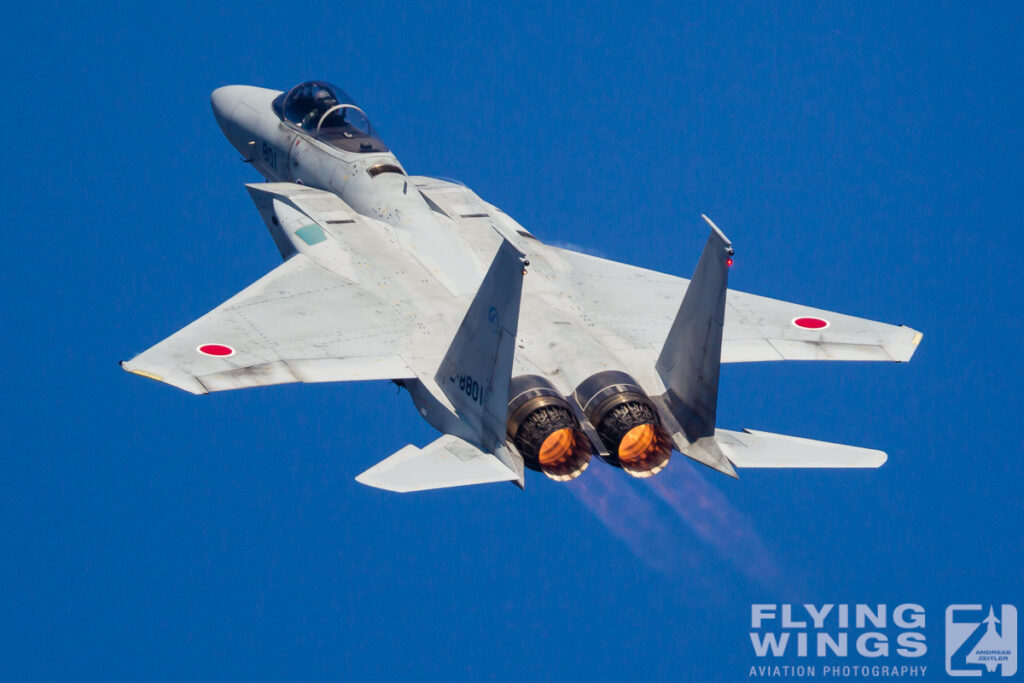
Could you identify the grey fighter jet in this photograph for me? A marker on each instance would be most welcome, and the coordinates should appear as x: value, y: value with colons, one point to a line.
x: 523, y: 355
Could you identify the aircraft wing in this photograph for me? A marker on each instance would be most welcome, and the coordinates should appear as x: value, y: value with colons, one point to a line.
x: 639, y: 306
x: 298, y: 323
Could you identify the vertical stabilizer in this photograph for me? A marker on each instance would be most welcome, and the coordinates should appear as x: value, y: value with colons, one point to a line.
x: 691, y: 357
x: 477, y: 368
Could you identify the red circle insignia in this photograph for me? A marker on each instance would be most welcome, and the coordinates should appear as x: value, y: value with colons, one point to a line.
x: 811, y: 323
x: 219, y: 350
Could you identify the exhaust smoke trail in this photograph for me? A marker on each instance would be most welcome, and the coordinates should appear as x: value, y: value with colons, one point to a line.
x: 634, y: 511
x: 634, y: 519
x: 708, y: 512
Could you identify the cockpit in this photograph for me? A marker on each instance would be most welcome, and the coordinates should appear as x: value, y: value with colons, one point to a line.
x: 328, y: 114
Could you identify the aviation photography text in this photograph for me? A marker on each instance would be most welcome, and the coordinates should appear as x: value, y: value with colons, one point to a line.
x: 838, y: 641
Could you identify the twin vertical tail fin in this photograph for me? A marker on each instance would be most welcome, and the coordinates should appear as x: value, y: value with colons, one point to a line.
x: 477, y: 369
x: 692, y: 355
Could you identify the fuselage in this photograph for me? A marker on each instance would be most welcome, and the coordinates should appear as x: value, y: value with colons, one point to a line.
x: 535, y: 355
x: 455, y: 247
x: 375, y: 184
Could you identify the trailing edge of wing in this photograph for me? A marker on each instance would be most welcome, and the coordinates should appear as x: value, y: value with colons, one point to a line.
x: 306, y: 370
x: 763, y: 329
x: 751, y: 448
x: 447, y: 462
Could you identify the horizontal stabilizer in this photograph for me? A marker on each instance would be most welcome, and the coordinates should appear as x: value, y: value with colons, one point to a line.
x: 449, y: 461
x: 764, y: 449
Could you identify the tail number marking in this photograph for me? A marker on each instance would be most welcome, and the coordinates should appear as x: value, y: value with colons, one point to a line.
x: 471, y: 388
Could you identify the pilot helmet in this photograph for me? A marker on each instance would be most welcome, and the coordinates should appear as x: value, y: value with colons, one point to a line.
x: 323, y: 96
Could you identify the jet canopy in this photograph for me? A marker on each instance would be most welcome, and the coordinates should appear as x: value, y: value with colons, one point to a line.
x: 327, y: 113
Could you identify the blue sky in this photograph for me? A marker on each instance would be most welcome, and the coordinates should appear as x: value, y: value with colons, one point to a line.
x: 865, y: 159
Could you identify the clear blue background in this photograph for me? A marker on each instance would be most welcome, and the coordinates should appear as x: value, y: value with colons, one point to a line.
x: 863, y: 159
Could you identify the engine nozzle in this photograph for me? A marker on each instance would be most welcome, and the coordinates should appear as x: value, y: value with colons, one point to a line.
x: 627, y: 422
x: 544, y: 428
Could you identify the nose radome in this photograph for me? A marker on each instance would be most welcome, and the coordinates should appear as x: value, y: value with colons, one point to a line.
x: 224, y: 100
x: 240, y: 110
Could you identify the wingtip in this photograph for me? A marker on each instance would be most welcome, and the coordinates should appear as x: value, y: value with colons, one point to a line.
x: 907, y: 348
x: 141, y: 373
x: 192, y: 385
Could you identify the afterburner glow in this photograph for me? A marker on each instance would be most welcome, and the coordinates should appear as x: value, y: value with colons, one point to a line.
x: 637, y: 443
x: 556, y: 447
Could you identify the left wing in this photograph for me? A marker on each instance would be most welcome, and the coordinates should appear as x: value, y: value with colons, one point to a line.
x: 298, y: 323
x: 639, y: 305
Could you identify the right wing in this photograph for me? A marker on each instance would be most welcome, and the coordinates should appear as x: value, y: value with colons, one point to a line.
x: 639, y: 305
x: 298, y: 323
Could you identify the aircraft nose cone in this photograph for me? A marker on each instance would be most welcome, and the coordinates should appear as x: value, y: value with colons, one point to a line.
x: 224, y: 100
x: 242, y: 112
x: 229, y: 108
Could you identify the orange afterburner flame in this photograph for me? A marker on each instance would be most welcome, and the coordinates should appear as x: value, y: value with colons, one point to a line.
x: 557, y: 447
x: 644, y: 451
x: 638, y: 443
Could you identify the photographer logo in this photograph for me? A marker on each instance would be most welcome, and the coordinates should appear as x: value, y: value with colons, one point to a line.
x: 981, y: 640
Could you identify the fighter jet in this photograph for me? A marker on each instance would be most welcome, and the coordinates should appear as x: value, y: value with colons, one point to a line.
x: 521, y: 354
